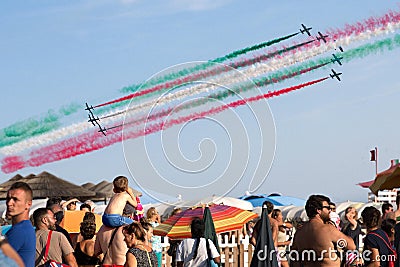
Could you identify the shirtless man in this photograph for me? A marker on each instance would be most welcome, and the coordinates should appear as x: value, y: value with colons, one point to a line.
x: 315, y: 243
x: 112, y: 216
x: 274, y: 226
x: 114, y: 252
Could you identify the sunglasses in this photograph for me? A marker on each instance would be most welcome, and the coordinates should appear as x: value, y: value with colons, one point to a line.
x: 327, y: 207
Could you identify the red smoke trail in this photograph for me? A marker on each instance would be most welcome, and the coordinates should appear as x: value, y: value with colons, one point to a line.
x: 93, y: 141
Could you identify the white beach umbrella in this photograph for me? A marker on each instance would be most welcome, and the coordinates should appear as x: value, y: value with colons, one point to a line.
x: 228, y: 201
x: 370, y: 204
x: 294, y: 213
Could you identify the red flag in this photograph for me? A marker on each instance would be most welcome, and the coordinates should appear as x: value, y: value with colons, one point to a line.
x: 373, y: 155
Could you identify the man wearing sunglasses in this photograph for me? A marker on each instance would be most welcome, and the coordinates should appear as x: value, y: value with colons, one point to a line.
x: 316, y: 243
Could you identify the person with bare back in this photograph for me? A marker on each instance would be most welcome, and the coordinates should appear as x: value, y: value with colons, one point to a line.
x: 112, y: 216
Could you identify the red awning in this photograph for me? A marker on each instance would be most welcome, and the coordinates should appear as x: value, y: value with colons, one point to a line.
x: 366, y: 184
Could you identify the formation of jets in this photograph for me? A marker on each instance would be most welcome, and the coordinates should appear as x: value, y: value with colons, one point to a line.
x: 321, y: 37
x: 93, y: 120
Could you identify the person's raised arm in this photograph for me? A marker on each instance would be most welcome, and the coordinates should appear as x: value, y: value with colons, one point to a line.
x: 275, y: 230
x: 342, y: 240
x: 66, y: 203
x: 132, y: 199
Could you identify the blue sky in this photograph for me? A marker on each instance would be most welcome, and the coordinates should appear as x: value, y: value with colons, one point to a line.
x: 57, y: 52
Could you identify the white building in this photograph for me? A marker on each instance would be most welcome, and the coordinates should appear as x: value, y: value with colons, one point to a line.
x: 384, y: 196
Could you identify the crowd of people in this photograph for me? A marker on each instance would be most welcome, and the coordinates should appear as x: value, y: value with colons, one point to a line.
x: 126, y: 240
x: 40, y: 239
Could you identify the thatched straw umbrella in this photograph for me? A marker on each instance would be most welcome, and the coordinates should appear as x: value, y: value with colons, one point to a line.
x: 48, y: 185
x: 88, y: 186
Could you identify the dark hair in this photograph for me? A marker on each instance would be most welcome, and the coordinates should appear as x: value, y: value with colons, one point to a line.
x: 314, y: 203
x: 398, y: 200
x: 275, y: 213
x: 145, y: 224
x: 23, y: 186
x: 38, y: 215
x: 53, y: 201
x: 197, y: 229
x: 136, y: 229
x: 89, y: 216
x: 270, y: 206
x: 386, y: 206
x: 371, y: 217
x: 128, y: 210
x: 388, y: 225
x: 84, y: 205
x: 120, y: 184
x: 87, y: 229
x: 348, y: 209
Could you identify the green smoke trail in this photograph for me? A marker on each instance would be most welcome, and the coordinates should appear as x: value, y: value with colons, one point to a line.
x: 32, y: 126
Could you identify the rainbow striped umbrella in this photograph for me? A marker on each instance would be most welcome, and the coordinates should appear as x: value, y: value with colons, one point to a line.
x: 226, y: 218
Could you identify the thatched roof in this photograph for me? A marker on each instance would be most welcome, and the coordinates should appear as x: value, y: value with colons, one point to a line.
x: 88, y: 185
x: 8, y: 183
x: 47, y: 185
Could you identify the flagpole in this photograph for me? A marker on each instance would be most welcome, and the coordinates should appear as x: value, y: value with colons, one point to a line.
x: 376, y: 161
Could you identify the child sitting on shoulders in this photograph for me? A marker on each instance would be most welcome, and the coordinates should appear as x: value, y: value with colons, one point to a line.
x: 112, y: 216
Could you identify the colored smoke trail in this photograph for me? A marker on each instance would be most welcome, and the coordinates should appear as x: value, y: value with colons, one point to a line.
x: 89, y: 142
x: 385, y: 21
x: 33, y: 127
x: 80, y: 127
x: 176, y: 76
x: 28, y: 128
x: 348, y: 55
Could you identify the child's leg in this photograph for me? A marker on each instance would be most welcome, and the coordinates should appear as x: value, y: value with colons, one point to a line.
x: 125, y: 220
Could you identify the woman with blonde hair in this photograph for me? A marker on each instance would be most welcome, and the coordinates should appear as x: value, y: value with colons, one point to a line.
x: 154, y: 219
